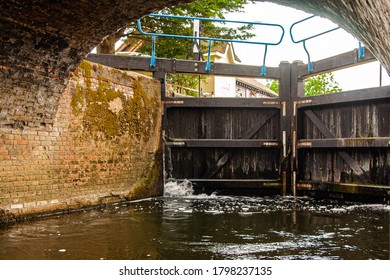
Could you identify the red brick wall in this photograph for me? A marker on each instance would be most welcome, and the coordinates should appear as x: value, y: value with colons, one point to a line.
x: 101, y: 147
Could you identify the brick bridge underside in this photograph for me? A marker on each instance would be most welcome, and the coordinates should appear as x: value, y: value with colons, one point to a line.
x: 42, y: 41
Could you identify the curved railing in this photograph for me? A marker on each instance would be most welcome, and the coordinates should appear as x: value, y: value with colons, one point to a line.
x: 211, y: 39
x: 361, y: 50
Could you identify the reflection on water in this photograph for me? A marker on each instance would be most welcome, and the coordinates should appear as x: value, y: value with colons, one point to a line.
x: 206, y: 227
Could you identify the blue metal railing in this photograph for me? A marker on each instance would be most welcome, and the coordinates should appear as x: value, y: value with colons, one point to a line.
x: 303, y: 41
x: 211, y: 40
x: 361, y: 50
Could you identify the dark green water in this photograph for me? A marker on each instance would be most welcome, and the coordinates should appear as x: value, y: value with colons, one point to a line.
x: 206, y: 227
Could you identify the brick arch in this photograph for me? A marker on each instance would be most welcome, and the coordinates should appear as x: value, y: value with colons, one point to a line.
x: 43, y: 40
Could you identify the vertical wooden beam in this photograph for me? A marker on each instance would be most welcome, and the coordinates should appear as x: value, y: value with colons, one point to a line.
x: 300, y: 88
x: 295, y: 93
x: 285, y: 126
x: 166, y: 151
x: 162, y: 77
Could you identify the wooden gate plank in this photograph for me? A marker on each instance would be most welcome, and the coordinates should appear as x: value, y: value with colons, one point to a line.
x: 223, y: 143
x: 227, y: 156
x: 168, y: 65
x: 361, y: 174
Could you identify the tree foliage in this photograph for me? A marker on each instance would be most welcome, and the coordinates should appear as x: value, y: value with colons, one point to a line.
x: 320, y: 84
x: 179, y: 48
x: 273, y: 85
x: 187, y: 83
x: 174, y: 48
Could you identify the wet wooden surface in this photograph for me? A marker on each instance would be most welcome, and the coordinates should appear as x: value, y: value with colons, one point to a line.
x: 237, y: 143
x: 336, y: 143
x: 363, y: 127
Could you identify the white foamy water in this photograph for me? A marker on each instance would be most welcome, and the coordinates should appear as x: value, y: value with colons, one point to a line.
x: 371, y: 207
x: 178, y: 188
x: 184, y: 188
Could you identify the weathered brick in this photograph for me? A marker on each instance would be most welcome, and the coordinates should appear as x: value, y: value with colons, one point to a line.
x: 16, y: 206
x: 48, y: 168
x: 42, y: 203
x: 43, y: 133
x: 29, y: 204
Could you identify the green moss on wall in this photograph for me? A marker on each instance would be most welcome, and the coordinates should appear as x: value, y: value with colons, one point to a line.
x: 136, y: 118
x: 85, y: 68
x: 139, y: 113
x: 77, y: 102
x: 147, y: 186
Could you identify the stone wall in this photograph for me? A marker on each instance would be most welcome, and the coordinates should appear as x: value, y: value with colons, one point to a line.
x: 102, y: 146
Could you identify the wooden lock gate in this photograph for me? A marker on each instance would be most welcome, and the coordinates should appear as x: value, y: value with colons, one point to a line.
x: 334, y: 145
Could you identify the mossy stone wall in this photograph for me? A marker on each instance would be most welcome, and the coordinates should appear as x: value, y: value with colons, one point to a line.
x: 104, y: 146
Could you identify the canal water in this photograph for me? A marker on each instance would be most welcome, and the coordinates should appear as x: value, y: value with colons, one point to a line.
x: 181, y: 225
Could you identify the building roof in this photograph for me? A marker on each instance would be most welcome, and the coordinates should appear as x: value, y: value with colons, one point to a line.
x: 254, y: 83
x: 224, y: 48
x: 126, y: 47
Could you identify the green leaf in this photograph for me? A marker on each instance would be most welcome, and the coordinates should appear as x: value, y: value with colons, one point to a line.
x: 273, y: 85
x: 321, y: 84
